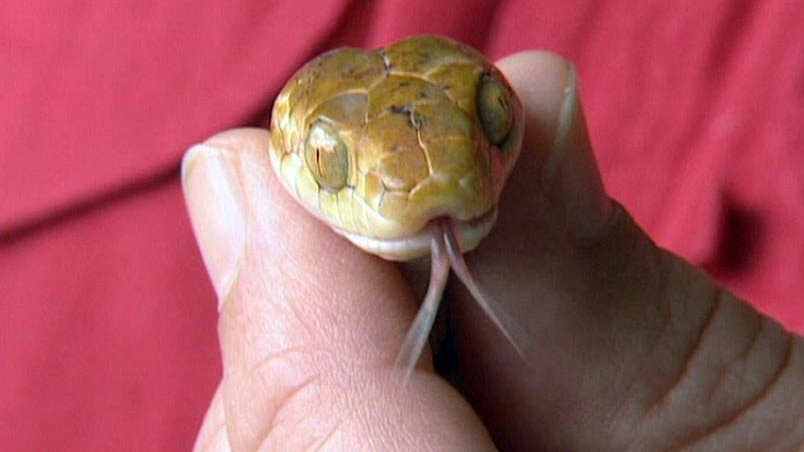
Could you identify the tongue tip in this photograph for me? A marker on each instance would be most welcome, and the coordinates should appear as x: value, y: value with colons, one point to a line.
x: 419, y: 331
x: 461, y: 269
x: 445, y: 253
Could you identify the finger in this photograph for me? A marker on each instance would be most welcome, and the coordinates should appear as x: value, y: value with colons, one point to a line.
x: 553, y: 199
x: 614, y: 329
x: 212, y: 436
x: 310, y: 326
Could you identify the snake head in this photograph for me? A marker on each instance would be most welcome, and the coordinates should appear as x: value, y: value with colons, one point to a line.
x: 381, y: 143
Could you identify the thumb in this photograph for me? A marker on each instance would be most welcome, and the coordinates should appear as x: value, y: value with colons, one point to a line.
x: 625, y: 344
x: 309, y: 324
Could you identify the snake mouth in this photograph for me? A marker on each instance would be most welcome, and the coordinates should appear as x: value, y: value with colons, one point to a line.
x: 446, y: 240
x: 445, y: 254
x: 468, y: 234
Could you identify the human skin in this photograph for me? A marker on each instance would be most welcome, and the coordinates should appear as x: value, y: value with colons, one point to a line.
x: 626, y: 346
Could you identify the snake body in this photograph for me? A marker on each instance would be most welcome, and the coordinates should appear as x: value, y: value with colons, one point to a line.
x: 403, y: 150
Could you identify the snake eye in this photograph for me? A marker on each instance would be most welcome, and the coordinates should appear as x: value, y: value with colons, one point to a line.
x: 327, y: 157
x: 494, y: 108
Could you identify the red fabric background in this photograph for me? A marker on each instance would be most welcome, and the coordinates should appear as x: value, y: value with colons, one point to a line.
x: 107, y: 320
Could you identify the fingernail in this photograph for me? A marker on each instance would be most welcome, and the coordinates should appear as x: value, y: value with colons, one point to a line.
x: 572, y: 178
x: 215, y: 202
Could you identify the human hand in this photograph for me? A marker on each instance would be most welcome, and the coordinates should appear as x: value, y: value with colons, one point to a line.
x: 626, y: 346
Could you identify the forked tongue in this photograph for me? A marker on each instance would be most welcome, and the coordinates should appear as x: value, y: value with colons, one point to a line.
x: 445, y: 253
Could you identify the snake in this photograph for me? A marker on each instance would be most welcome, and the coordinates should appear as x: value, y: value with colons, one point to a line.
x: 403, y: 150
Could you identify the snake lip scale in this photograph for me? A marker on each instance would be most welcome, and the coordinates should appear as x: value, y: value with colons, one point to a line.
x: 468, y: 234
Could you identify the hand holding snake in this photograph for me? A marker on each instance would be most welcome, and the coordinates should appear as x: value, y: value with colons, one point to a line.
x: 625, y: 344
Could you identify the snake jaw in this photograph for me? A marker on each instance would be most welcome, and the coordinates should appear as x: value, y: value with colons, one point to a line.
x: 468, y: 233
x: 445, y: 253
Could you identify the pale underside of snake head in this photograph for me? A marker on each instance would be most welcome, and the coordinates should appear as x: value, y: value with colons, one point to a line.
x: 404, y: 151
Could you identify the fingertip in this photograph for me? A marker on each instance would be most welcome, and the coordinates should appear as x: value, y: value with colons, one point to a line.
x: 553, y: 199
x: 557, y: 149
x: 215, y: 203
x: 240, y: 138
x: 306, y: 306
x: 539, y: 79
